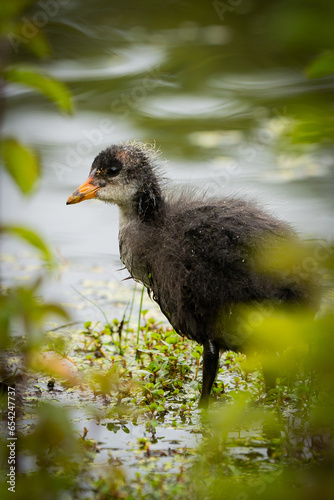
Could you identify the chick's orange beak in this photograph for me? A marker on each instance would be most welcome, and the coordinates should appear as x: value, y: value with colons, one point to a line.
x: 86, y: 191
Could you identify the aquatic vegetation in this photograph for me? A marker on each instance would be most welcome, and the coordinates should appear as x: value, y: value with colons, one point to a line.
x: 252, y: 440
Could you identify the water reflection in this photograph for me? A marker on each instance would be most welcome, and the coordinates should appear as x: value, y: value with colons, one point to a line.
x: 196, y: 107
x: 120, y: 62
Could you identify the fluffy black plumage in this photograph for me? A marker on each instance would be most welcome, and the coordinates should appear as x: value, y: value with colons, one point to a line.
x: 198, y: 256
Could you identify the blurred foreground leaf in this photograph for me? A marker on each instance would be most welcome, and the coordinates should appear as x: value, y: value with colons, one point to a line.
x: 55, y: 91
x: 38, y: 44
x: 322, y: 66
x: 10, y: 9
x: 21, y: 163
x: 32, y: 238
x: 20, y: 30
x: 313, y: 128
x: 23, y: 314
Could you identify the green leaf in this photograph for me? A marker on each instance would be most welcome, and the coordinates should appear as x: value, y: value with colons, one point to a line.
x: 37, y: 43
x: 153, y: 367
x: 9, y: 10
x: 55, y: 91
x: 53, y: 309
x: 39, y: 46
x: 32, y: 238
x: 322, y: 66
x: 21, y: 163
x: 173, y: 339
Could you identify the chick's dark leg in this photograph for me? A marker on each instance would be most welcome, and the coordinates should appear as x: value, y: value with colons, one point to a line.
x: 210, y: 368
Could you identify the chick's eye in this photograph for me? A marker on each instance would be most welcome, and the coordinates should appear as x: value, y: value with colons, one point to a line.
x: 114, y: 168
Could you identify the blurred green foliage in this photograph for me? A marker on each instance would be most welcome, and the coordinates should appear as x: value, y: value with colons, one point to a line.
x: 33, y: 239
x: 13, y: 22
x: 22, y: 314
x: 52, y: 89
x: 322, y: 65
x: 21, y: 163
x: 292, y: 422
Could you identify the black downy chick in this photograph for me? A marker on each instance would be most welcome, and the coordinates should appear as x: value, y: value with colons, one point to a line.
x: 194, y: 254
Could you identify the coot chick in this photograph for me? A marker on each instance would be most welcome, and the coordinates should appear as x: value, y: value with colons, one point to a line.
x: 194, y: 254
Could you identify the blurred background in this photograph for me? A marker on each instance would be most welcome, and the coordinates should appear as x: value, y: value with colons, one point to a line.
x: 237, y: 95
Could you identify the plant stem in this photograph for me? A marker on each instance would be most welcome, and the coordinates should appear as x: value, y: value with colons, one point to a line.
x: 130, y: 313
x: 94, y: 304
x: 140, y: 310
